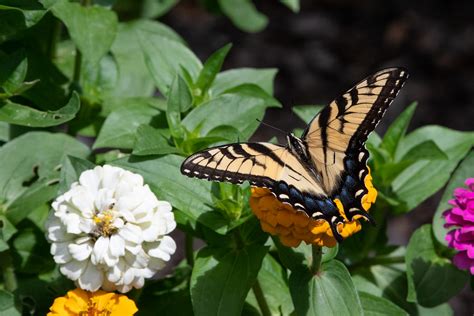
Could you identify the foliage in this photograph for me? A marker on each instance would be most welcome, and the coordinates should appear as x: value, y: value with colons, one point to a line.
x: 79, y: 87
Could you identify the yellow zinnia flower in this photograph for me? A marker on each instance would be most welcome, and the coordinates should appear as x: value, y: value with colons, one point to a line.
x: 293, y: 226
x: 99, y: 303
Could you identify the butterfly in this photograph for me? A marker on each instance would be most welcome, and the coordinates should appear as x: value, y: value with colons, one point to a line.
x: 328, y: 162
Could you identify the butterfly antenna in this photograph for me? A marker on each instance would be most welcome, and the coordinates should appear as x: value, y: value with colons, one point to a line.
x: 275, y: 128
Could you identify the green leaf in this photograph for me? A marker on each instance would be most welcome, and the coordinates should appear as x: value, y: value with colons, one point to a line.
x: 191, y: 197
x: 13, y: 70
x: 156, y: 8
x: 211, y: 68
x: 7, y: 304
x: 29, y: 247
x: 170, y: 303
x: 71, y: 169
x: 134, y: 79
x: 459, y: 176
x: 30, y: 170
x: 221, y: 279
x: 18, y: 114
x: 235, y: 110
x: 397, y: 129
x: 165, y: 57
x: 273, y: 281
x: 179, y: 99
x: 92, y: 29
x: 424, y: 178
x: 294, y: 5
x: 432, y: 280
x: 375, y: 305
x: 120, y: 127
x: 321, y: 294
x: 14, y: 19
x: 252, y: 90
x: 244, y: 15
x: 151, y: 141
x: 235, y: 77
x: 7, y: 229
x: 427, y: 150
x: 307, y: 112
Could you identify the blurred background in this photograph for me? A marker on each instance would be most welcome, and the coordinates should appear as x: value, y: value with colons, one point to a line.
x: 330, y: 45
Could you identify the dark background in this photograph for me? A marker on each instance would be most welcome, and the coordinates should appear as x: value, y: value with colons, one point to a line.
x: 330, y: 45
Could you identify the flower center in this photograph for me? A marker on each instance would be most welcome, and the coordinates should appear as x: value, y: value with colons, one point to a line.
x: 104, y: 223
x: 93, y: 310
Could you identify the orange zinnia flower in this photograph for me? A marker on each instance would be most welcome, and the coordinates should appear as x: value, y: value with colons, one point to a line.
x: 293, y: 226
x: 80, y: 302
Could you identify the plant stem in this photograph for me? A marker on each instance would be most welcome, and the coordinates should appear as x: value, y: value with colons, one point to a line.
x: 8, y: 271
x: 316, y: 260
x: 189, y: 250
x: 262, y: 302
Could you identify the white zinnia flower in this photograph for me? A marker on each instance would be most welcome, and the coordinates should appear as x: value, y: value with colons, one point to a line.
x: 109, y: 230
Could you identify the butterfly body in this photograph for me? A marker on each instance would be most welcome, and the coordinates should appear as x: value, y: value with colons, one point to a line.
x: 327, y: 164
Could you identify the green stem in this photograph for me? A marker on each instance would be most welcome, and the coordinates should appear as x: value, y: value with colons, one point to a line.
x: 262, y: 302
x: 316, y: 258
x: 8, y: 271
x: 189, y: 250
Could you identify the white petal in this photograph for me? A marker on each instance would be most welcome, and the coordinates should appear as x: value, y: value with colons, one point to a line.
x: 60, y: 252
x: 80, y: 252
x: 117, y: 246
x: 104, y: 199
x: 100, y: 249
x: 91, y: 279
x: 73, y: 269
x: 90, y: 179
x: 163, y: 249
x: 131, y: 233
x: 111, y: 177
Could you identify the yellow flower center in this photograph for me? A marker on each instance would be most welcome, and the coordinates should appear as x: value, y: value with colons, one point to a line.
x: 103, y: 221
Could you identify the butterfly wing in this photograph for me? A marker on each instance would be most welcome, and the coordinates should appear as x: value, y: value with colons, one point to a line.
x: 263, y: 165
x: 336, y: 137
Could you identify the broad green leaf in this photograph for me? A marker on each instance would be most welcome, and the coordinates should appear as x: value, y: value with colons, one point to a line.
x: 151, y: 141
x: 30, y: 170
x: 165, y: 57
x: 14, y: 19
x: 28, y: 249
x: 363, y: 285
x: 221, y: 279
x: 120, y: 127
x: 13, y: 70
x: 170, y: 303
x: 134, y: 79
x: 179, y: 99
x: 18, y: 114
x: 432, y: 280
x: 211, y: 68
x: 192, y: 145
x: 462, y: 172
x: 424, y: 178
x: 4, y: 132
x: 7, y: 304
x: 235, y: 110
x: 244, y: 15
x: 7, y: 229
x: 321, y: 294
x: 397, y: 129
x: 376, y: 305
x: 252, y: 90
x: 71, y: 169
x: 191, y: 197
x: 294, y: 5
x: 92, y: 29
x: 427, y: 150
x: 273, y: 281
x: 156, y: 8
x: 235, y: 77
x: 307, y: 112
x: 293, y: 258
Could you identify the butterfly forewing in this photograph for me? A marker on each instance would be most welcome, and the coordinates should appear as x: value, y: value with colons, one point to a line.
x: 343, y: 126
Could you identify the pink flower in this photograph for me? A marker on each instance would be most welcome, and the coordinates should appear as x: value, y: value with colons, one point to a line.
x: 461, y: 217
